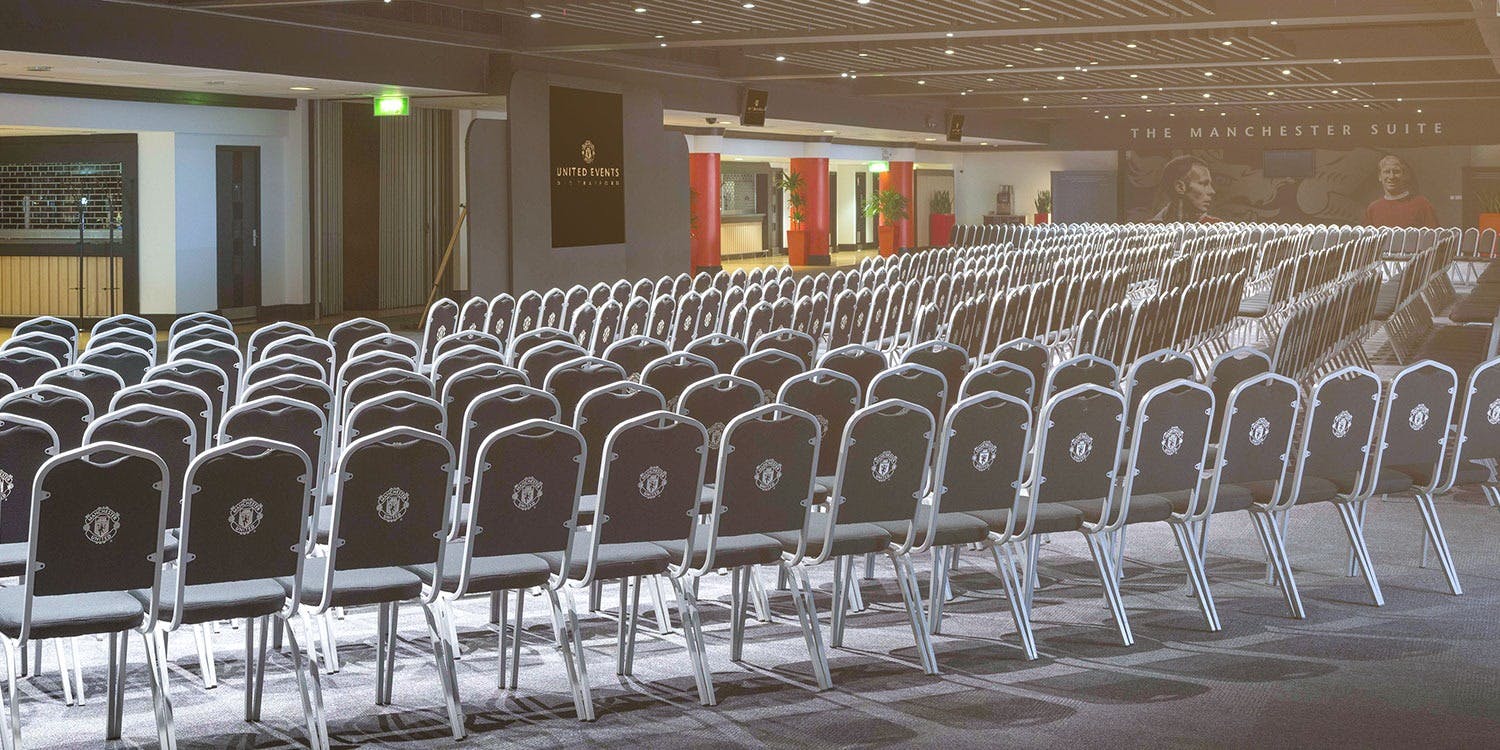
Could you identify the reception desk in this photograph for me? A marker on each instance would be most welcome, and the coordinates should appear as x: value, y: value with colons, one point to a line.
x: 742, y: 234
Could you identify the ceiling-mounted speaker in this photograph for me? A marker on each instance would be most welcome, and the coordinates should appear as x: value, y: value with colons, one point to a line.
x: 955, y: 128
x: 753, y: 111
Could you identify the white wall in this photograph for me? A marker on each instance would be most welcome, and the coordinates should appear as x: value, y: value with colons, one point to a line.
x: 980, y: 175
x: 843, y: 212
x: 176, y: 170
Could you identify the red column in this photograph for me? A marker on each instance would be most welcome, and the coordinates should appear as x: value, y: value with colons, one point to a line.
x: 902, y: 179
x: 814, y: 171
x: 703, y: 178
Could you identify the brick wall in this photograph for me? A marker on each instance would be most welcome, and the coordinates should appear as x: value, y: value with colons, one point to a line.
x: 45, y: 196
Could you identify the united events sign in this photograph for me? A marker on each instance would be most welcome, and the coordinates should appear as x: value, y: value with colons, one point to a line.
x: 588, y: 167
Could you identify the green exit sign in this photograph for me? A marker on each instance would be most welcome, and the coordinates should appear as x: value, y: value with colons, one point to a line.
x: 880, y: 166
x: 392, y: 106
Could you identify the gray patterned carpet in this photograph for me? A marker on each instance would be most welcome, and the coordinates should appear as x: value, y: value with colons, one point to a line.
x: 1423, y: 670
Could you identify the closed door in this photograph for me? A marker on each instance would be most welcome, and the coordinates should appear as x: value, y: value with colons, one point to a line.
x: 238, y: 200
x: 859, y: 209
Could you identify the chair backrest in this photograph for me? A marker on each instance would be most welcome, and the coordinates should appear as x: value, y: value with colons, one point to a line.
x: 500, y: 316
x: 314, y: 393
x: 186, y: 400
x: 602, y: 409
x: 1255, y: 439
x: 398, y: 409
x: 361, y: 365
x: 96, y: 383
x: 465, y: 339
x: 141, y: 341
x: 723, y: 350
x: 493, y: 411
x: 1418, y: 410
x: 25, y: 444
x: 123, y: 321
x: 165, y: 433
x: 277, y: 365
x: 831, y: 397
x: 48, y: 324
x: 190, y: 335
x: 715, y: 402
x: 949, y: 359
x: 672, y: 374
x: 651, y: 481
x: 1003, y: 377
x: 284, y: 420
x: 60, y: 348
x: 388, y: 343
x: 442, y: 319
x: 245, y: 517
x: 345, y: 335
x: 795, y: 343
x: 219, y: 354
x: 537, y: 362
x: 571, y: 379
x: 1151, y: 370
x: 1168, y: 441
x: 1343, y: 409
x: 204, y: 376
x: 883, y: 466
x: 524, y: 499
x: 192, y: 320
x: 307, y: 347
x: 127, y: 362
x: 118, y: 495
x: 270, y: 333
x: 857, y: 361
x: 918, y: 384
x: 770, y: 368
x: 25, y: 366
x: 391, y: 495
x: 1080, y: 370
x: 981, y: 457
x: 1229, y: 370
x: 535, y: 338
x: 472, y: 314
x: 382, y: 383
x: 634, y: 353
x: 67, y: 412
x: 1031, y: 355
x: 766, y: 474
x: 457, y: 360
x: 1078, y: 437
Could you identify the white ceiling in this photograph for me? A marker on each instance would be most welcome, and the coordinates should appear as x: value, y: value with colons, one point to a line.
x: 730, y: 123
x: 88, y: 70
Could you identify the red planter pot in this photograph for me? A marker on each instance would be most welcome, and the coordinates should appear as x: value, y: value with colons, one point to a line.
x: 939, y: 229
x: 886, y: 236
x: 796, y: 246
x: 1041, y: 218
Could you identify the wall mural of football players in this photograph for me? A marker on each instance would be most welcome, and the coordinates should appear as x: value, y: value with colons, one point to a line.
x: 1400, y: 205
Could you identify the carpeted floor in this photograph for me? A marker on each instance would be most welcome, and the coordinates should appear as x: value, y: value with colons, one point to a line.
x: 1421, y: 671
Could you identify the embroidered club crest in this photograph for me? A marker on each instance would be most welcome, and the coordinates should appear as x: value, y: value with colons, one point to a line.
x: 844, y: 321
x: 984, y: 456
x: 884, y: 466
x: 392, y: 504
x: 635, y: 328
x: 822, y: 424
x: 527, y: 493
x: 652, y: 482
x: 7, y: 485
x: 101, y: 524
x: 1171, y: 440
x: 1080, y: 447
x: 245, y: 516
x: 526, y: 322
x: 1493, y: 412
x: 1260, y: 429
x: 551, y: 319
x: 1418, y: 417
x: 715, y: 435
x: 768, y: 474
x: 1342, y: 422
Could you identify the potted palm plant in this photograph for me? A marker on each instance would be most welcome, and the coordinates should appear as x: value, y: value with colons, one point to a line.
x: 940, y: 218
x: 1489, y: 210
x: 797, y: 239
x: 1043, y: 206
x: 890, y: 207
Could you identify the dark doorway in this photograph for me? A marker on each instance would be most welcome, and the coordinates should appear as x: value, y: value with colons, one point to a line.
x: 772, y: 211
x: 833, y: 214
x: 238, y: 199
x: 859, y: 210
x: 361, y: 174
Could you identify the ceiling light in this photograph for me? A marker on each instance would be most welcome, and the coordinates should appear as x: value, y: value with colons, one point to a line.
x: 1399, y: 99
x: 852, y: 75
x: 1060, y: 78
x: 661, y: 36
x: 864, y: 54
x: 844, y: 74
x: 1419, y: 111
x: 1148, y: 109
x: 1200, y: 109
x: 1045, y: 106
x: 1171, y: 114
x: 947, y: 51
x: 1135, y: 75
x: 830, y: 131
x: 921, y: 83
x: 1367, y: 105
x: 695, y: 22
x: 1264, y: 57
x: 1010, y: 65
x: 38, y: 68
x: 1093, y: 62
x: 1036, y: 49
x: 1106, y: 117
x: 1337, y: 61
x: 1227, y: 42
x: 949, y: 35
x: 1208, y: 73
x: 781, y: 58
x: 535, y: 14
x: 748, y: 6
x: 1131, y: 45
x: 1335, y: 91
x: 929, y: 139
x: 984, y: 143
x: 1286, y: 72
x: 1205, y: 96
x: 863, y: 2
x: 1085, y: 98
x: 1143, y: 96
x: 663, y: 44
x: 1025, y: 98
x: 1270, y: 93
x: 1024, y: 8
x: 303, y: 88
x: 989, y: 80
x: 965, y: 93
x: 640, y: 9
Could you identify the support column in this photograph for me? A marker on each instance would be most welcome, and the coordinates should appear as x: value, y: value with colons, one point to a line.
x: 704, y: 181
x: 901, y: 177
x: 814, y: 225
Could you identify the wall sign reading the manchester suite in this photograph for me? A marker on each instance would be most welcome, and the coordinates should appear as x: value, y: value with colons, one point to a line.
x: 588, y: 167
x: 1251, y: 131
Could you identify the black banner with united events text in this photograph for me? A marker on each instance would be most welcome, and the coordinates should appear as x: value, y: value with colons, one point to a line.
x: 588, y: 167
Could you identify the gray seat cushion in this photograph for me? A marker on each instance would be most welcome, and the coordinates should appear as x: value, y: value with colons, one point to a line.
x: 952, y: 528
x: 13, y: 559
x: 352, y: 588
x: 1390, y: 481
x: 1143, y: 509
x: 68, y: 615
x: 614, y: 560
x: 1313, y: 490
x: 1421, y: 476
x: 1051, y: 518
x: 1255, y: 305
x: 1232, y: 497
x: 498, y: 573
x: 206, y: 602
x: 730, y: 552
x: 848, y: 538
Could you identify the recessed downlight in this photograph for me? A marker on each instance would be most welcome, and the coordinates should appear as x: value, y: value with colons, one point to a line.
x: 535, y: 14
x: 303, y: 88
x: 781, y: 58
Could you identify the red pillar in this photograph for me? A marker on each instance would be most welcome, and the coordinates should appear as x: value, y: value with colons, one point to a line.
x: 703, y: 178
x: 902, y: 179
x: 814, y: 171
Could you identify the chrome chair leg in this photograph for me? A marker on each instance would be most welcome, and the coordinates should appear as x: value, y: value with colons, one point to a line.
x: 312, y: 696
x: 162, y: 706
x: 1199, y: 581
x: 812, y: 632
x: 1360, y: 549
x: 515, y: 661
x: 761, y: 602
x: 1111, y: 587
x: 1439, y: 541
x: 115, y: 690
x: 566, y: 632
x: 1005, y: 568
x: 906, y: 576
x: 442, y: 651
